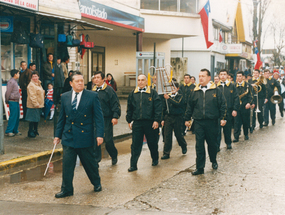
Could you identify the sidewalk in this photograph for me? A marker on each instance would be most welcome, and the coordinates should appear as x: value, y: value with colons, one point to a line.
x: 19, y: 146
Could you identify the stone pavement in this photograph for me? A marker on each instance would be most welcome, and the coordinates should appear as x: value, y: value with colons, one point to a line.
x: 249, y: 180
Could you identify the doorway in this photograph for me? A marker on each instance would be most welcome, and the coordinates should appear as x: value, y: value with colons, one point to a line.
x: 97, y: 60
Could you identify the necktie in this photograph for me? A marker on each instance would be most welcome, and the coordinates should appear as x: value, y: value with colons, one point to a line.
x: 98, y: 89
x: 74, y: 102
x: 143, y: 89
x: 203, y: 87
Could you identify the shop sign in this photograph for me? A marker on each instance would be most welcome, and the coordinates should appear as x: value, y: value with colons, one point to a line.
x: 232, y: 48
x: 103, y: 13
x: 27, y: 4
x: 6, y: 24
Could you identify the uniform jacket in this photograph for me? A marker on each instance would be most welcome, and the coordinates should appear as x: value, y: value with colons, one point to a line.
x: 271, y: 84
x: 25, y: 79
x: 186, y: 89
x: 263, y: 93
x: 175, y: 105
x: 230, y: 92
x: 79, y: 129
x: 208, y: 105
x: 248, y: 97
x: 36, y: 95
x: 110, y: 103
x: 144, y: 106
x: 47, y: 69
x: 12, y: 92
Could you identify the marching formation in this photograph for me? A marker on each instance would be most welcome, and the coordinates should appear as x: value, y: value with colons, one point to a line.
x: 207, y: 108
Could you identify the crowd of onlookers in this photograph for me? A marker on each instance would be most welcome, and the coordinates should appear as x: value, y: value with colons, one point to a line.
x: 38, y: 98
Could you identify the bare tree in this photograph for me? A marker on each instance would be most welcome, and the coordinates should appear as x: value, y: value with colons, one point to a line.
x: 257, y: 22
x: 278, y: 33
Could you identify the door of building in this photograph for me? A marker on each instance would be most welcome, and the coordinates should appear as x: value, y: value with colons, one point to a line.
x: 98, y: 60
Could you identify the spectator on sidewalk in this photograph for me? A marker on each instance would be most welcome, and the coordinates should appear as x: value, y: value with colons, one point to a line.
x: 64, y: 65
x: 111, y: 81
x: 24, y: 80
x: 12, y: 97
x: 49, y: 96
x: 48, y: 69
x: 67, y: 87
x: 35, y: 103
x: 59, y: 80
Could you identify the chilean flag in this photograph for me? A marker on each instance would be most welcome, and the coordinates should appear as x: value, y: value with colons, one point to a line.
x: 220, y: 36
x: 258, y: 63
x: 206, y: 22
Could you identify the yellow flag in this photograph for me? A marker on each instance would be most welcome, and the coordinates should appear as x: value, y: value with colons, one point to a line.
x: 171, y: 74
x: 148, y: 79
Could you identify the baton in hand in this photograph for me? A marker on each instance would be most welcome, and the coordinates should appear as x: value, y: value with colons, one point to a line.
x: 50, y: 159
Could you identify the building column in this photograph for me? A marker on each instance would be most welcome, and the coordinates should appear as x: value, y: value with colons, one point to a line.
x: 139, y: 40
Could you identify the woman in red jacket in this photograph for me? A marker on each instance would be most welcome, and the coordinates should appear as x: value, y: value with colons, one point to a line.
x: 111, y: 82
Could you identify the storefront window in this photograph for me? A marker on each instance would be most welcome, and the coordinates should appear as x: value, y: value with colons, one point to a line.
x: 149, y: 4
x: 168, y: 5
x: 21, y: 54
x: 6, y: 61
x: 188, y: 6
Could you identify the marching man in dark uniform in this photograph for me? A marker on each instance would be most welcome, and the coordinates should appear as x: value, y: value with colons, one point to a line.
x: 276, y: 76
x: 186, y: 88
x: 172, y: 121
x: 262, y: 97
x: 80, y: 111
x: 243, y: 113
x: 206, y: 105
x: 111, y: 108
x: 143, y: 115
x: 231, y: 96
x: 269, y: 106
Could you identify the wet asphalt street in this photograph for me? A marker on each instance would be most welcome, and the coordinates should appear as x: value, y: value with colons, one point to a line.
x: 250, y: 180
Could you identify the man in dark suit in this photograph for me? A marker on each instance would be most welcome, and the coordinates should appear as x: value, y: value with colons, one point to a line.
x: 80, y: 115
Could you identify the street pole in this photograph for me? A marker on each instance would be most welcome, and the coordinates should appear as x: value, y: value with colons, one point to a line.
x: 55, y: 88
x: 1, y: 107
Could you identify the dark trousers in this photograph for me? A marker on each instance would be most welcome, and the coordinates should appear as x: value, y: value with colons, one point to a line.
x: 57, y: 93
x: 87, y: 158
x: 141, y: 128
x: 281, y: 107
x: 269, y: 106
x: 259, y: 115
x: 108, y: 140
x: 242, y: 118
x: 227, y: 130
x: 171, y: 123
x: 24, y: 102
x: 206, y: 129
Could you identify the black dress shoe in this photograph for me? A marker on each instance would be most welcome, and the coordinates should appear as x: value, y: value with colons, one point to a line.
x: 154, y: 163
x: 273, y: 122
x: 132, y: 168
x: 36, y: 133
x: 98, y: 188
x: 164, y: 157
x: 281, y: 114
x: 261, y: 126
x: 184, y: 150
x: 246, y: 138
x: 235, y: 140
x: 251, y: 130
x: 198, y: 172
x: 215, y: 165
x: 63, y: 194
x: 229, y: 146
x: 114, y: 161
x: 31, y: 134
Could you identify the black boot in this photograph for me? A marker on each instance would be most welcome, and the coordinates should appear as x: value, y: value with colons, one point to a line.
x: 31, y: 130
x: 36, y: 128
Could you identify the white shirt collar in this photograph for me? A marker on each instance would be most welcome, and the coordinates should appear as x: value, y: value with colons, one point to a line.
x: 78, y: 97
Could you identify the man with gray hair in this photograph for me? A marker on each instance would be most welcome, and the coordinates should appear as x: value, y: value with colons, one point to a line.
x: 143, y: 116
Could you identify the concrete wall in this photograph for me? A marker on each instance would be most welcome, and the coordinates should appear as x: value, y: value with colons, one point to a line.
x: 120, y: 53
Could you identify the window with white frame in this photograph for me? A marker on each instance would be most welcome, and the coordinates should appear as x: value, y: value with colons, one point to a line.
x: 185, y: 6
